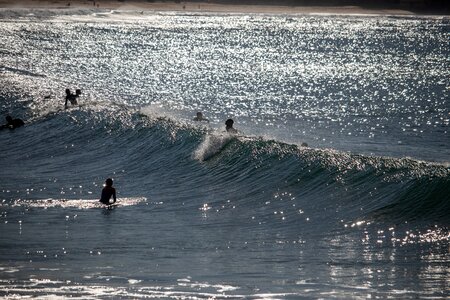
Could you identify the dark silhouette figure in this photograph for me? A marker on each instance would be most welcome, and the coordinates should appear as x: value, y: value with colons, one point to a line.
x: 12, y: 123
x: 200, y: 117
x: 107, y: 192
x: 72, y: 98
x: 229, y: 126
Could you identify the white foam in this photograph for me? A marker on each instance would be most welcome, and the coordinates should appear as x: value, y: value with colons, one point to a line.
x: 211, y: 145
x: 77, y: 203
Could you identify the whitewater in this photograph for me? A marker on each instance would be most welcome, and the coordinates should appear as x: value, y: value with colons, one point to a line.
x: 336, y: 186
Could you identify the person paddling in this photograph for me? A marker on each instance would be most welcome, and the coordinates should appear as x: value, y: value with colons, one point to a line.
x: 12, y: 123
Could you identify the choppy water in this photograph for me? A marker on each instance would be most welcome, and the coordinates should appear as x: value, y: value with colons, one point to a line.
x: 362, y: 212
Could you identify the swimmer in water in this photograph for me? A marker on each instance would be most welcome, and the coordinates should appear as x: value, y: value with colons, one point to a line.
x: 107, y: 192
x: 229, y: 126
x: 72, y: 98
x: 12, y: 123
x: 200, y: 117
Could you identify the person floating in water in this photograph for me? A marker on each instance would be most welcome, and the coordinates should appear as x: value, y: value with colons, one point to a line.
x: 72, y: 98
x: 12, y: 123
x: 200, y: 117
x: 107, y: 192
x: 229, y: 126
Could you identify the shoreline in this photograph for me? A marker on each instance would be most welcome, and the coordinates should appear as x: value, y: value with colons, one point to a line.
x: 204, y: 7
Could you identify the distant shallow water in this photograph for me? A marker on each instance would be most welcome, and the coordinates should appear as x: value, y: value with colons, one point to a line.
x: 361, y: 212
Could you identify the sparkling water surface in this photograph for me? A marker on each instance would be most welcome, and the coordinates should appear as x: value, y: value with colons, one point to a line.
x: 357, y: 89
x: 372, y: 85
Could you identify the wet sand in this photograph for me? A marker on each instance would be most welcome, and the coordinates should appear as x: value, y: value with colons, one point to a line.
x: 200, y: 7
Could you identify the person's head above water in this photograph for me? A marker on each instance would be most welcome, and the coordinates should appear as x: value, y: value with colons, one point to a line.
x: 229, y: 126
x: 78, y: 92
x: 229, y: 123
x: 9, y: 119
x: 199, y: 117
x: 67, y: 91
x: 109, y: 182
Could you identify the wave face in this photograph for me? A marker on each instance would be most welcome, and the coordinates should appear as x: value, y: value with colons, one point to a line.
x: 186, y: 159
x: 201, y: 186
x: 204, y: 213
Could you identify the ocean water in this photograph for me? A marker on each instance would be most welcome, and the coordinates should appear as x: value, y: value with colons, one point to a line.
x: 361, y: 212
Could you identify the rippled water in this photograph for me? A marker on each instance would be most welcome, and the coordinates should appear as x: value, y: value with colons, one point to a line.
x: 360, y: 213
x: 365, y: 84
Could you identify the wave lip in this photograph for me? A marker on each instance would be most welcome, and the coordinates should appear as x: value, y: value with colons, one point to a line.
x: 211, y: 145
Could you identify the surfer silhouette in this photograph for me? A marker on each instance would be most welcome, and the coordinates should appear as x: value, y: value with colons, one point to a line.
x: 200, y: 117
x: 107, y: 192
x: 229, y: 126
x: 72, y: 98
x: 12, y: 123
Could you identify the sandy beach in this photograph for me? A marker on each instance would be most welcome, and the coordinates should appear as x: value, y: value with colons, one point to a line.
x: 202, y: 7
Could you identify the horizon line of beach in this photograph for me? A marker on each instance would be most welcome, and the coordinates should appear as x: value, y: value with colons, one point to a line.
x: 201, y: 7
